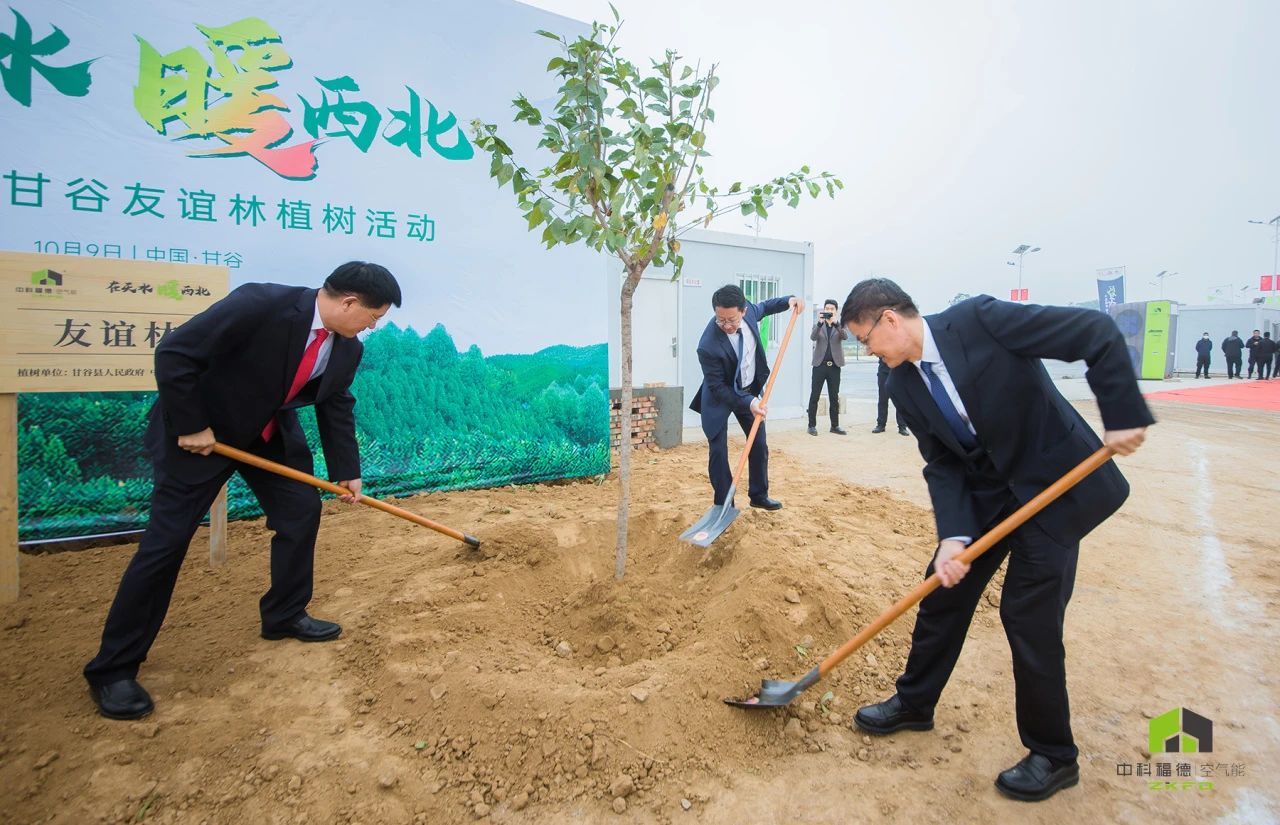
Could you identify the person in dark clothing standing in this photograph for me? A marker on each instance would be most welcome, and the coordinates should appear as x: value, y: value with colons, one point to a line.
x: 1266, y: 351
x: 1203, y: 348
x: 1252, y: 345
x: 882, y: 402
x: 1232, y: 347
x: 828, y: 359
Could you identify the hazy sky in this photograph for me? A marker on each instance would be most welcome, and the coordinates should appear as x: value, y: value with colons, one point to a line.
x: 1108, y: 132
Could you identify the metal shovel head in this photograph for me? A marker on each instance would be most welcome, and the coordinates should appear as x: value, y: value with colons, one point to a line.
x: 714, y: 522
x: 776, y: 693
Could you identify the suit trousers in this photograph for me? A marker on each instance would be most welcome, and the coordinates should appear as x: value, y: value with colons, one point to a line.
x: 757, y: 461
x: 1233, y: 367
x: 825, y: 373
x: 1037, y: 587
x: 882, y: 403
x: 1202, y: 363
x: 142, y: 600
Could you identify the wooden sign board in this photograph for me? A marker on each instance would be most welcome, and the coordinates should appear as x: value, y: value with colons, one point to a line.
x: 76, y: 324
x: 72, y: 324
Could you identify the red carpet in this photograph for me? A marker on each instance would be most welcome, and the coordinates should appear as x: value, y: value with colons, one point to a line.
x: 1250, y: 395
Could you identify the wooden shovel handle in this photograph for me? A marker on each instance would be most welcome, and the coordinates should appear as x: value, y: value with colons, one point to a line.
x: 982, y: 545
x: 764, y: 399
x: 298, y: 475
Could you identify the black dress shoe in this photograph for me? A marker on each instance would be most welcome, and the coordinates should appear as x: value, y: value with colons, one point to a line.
x: 766, y: 503
x: 306, y: 629
x: 878, y: 429
x: 125, y: 699
x: 813, y: 431
x: 889, y: 716
x: 903, y: 431
x: 838, y: 431
x: 1036, y: 778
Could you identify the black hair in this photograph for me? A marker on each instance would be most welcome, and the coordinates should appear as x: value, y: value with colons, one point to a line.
x: 374, y: 285
x: 873, y: 295
x: 1235, y: 332
x: 729, y: 296
x: 831, y: 301
x: 1266, y: 335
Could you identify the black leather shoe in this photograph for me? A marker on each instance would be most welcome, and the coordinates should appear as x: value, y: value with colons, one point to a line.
x: 903, y: 431
x: 306, y: 629
x: 878, y: 429
x: 889, y: 716
x: 813, y: 431
x: 838, y: 431
x: 125, y: 699
x: 766, y: 503
x: 1035, y: 778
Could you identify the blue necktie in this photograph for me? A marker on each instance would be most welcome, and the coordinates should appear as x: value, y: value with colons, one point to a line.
x: 738, y: 346
x: 949, y: 412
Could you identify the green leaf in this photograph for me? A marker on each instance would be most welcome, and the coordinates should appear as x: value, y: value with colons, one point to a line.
x: 688, y: 70
x: 748, y: 207
x: 550, y: 36
x: 736, y: 188
x: 814, y: 189
x: 698, y: 139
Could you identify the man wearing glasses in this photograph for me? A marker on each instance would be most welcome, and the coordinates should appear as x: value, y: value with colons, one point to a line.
x: 734, y: 371
x: 994, y: 432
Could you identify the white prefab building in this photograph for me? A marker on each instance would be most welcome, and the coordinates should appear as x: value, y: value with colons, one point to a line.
x: 1218, y: 320
x: 669, y: 316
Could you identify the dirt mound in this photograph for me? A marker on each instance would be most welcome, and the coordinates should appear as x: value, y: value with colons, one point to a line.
x: 470, y: 684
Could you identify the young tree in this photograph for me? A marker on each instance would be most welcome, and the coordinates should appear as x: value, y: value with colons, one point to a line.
x: 626, y: 176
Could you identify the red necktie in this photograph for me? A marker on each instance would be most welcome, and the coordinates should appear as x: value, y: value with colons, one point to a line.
x: 301, y: 378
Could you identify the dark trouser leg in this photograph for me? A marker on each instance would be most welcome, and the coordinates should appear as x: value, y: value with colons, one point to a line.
x: 757, y: 459
x: 1233, y: 367
x: 1251, y: 366
x: 940, y: 629
x: 815, y: 390
x: 833, y: 393
x: 1202, y: 363
x: 142, y: 600
x: 897, y: 413
x: 718, y: 463
x: 293, y: 512
x: 1264, y: 368
x: 882, y: 401
x: 1037, y: 587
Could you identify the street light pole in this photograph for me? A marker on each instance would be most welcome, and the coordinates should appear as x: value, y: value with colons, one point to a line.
x: 1021, y: 251
x: 1160, y: 276
x: 1275, y: 255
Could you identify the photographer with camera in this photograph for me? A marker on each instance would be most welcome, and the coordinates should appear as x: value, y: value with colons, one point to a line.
x: 828, y: 359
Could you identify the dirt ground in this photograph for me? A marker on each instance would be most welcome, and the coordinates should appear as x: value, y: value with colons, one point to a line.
x: 524, y: 685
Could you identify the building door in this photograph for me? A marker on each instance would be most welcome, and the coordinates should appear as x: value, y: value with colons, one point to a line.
x: 654, y: 330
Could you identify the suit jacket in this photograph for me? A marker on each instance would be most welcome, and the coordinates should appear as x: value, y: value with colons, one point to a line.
x: 719, y: 394
x: 1252, y: 345
x: 1028, y: 434
x: 1232, y: 346
x: 821, y: 335
x: 230, y: 368
x: 1204, y: 347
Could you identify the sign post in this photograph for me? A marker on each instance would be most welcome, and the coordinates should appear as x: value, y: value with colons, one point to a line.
x: 76, y: 324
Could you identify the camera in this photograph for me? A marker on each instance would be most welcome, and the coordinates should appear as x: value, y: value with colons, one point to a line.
x: 826, y: 316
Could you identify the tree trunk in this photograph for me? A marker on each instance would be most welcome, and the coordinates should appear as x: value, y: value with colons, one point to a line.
x: 624, y: 422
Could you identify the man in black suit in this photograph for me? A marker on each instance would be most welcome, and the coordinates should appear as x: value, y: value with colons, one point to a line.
x: 1232, y: 348
x: 1266, y: 351
x: 882, y: 401
x: 734, y: 371
x: 1253, y: 345
x: 1204, y: 348
x: 236, y: 373
x: 994, y: 432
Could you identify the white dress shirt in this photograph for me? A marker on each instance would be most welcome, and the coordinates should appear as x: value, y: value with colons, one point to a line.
x: 930, y: 353
x: 747, y: 363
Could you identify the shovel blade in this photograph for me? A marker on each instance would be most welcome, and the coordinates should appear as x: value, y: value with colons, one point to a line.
x: 708, y: 528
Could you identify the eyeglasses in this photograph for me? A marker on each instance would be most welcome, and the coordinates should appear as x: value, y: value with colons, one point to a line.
x: 729, y: 323
x: 865, y: 340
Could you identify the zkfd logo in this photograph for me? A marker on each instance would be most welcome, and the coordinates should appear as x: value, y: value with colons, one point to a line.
x: 1180, y: 731
x: 46, y: 277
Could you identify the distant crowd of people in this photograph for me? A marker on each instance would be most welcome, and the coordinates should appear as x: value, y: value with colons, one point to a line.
x: 1263, y: 355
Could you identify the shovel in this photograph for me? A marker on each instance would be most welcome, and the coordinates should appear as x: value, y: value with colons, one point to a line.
x: 298, y: 475
x: 716, y: 520
x: 776, y: 693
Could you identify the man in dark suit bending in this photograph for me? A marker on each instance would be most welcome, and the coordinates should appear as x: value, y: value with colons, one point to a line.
x: 994, y: 432
x: 237, y: 373
x: 734, y: 371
